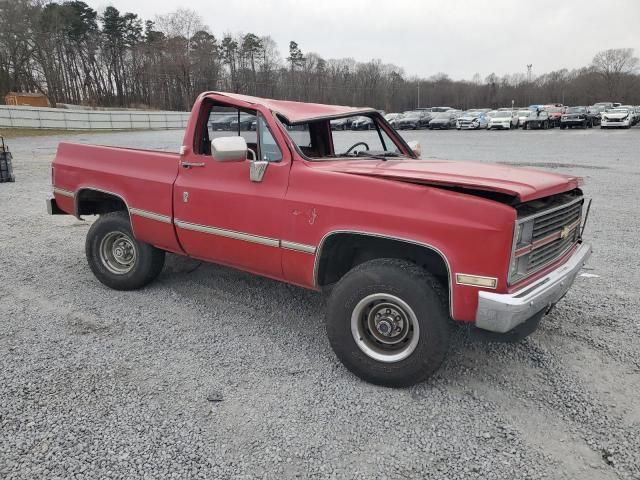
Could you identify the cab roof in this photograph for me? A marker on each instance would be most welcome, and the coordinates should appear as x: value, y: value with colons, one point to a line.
x: 296, y: 112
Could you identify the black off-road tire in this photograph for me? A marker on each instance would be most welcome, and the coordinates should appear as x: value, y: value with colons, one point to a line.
x: 420, y: 291
x: 144, y: 268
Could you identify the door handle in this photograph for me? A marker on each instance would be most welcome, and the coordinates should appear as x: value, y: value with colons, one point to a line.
x: 192, y: 164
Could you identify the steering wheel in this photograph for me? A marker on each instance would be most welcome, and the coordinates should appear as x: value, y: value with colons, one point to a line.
x: 354, y: 146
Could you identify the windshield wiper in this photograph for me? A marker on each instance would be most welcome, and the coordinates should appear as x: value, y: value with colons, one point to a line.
x: 378, y: 156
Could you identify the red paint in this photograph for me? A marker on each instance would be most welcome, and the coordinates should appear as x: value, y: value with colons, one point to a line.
x: 303, y: 201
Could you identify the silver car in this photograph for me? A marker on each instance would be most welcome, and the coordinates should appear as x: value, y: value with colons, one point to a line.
x: 472, y: 121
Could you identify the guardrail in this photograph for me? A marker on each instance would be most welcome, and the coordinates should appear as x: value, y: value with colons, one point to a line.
x: 12, y: 116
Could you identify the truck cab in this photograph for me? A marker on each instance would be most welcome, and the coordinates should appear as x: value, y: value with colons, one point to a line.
x: 402, y: 246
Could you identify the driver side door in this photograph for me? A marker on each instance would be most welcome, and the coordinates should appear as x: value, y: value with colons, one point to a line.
x: 220, y: 214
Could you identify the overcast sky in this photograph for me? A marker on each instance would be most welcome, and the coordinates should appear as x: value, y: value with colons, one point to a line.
x: 458, y: 37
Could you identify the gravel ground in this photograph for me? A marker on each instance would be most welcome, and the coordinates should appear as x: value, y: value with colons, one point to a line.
x: 213, y: 373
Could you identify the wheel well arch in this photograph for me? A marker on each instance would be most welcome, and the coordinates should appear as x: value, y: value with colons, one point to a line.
x: 94, y: 201
x: 338, y: 252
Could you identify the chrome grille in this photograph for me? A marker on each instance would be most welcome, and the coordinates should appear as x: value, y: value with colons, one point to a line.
x: 547, y: 224
x: 546, y: 230
x: 545, y: 254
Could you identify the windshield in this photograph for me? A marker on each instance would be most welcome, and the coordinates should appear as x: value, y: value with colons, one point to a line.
x: 316, y: 140
x: 554, y: 109
x: 576, y: 110
x: 442, y: 116
x: 619, y: 110
x: 502, y: 115
x: 524, y: 113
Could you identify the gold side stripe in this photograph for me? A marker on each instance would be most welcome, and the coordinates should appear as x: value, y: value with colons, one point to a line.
x: 247, y: 237
x: 271, y: 242
x: 150, y: 215
x: 298, y: 247
x: 63, y: 192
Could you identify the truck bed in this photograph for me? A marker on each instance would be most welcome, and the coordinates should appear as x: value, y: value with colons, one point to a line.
x: 142, y: 179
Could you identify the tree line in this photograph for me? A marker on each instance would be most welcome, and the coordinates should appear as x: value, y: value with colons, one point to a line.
x: 77, y: 55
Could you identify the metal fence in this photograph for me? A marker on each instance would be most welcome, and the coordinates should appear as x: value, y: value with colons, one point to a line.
x: 52, y: 118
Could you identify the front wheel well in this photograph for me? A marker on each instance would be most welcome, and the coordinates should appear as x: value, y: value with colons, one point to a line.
x: 96, y: 202
x: 341, y: 252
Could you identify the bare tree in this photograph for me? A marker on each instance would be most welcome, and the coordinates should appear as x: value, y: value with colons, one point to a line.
x: 614, y: 65
x: 75, y: 54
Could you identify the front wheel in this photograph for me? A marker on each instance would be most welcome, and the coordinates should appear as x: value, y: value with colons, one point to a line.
x: 388, y: 323
x: 116, y: 258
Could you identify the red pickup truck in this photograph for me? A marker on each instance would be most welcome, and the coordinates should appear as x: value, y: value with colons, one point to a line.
x: 402, y: 245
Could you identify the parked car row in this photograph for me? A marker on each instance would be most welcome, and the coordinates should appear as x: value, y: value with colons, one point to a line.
x: 603, y: 114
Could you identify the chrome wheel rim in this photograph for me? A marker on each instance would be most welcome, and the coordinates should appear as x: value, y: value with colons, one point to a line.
x: 118, y: 253
x: 385, y: 327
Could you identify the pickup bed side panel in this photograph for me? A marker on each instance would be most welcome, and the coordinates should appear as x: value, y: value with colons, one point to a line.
x: 142, y: 178
x: 472, y: 233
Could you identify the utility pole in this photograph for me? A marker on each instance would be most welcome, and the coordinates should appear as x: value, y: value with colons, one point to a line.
x: 418, y: 106
x: 529, y: 67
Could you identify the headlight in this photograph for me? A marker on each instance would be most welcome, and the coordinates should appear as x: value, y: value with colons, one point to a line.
x: 518, y: 233
x: 523, y: 236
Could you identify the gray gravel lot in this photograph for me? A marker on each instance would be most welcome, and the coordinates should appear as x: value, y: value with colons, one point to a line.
x: 96, y: 383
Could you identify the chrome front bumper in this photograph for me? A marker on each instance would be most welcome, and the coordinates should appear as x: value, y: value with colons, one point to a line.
x: 501, y: 312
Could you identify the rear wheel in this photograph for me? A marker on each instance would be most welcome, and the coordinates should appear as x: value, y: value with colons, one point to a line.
x: 116, y: 258
x: 387, y: 322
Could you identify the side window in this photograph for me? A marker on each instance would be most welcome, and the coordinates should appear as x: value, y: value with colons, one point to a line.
x: 225, y: 121
x: 300, y: 134
x: 269, y: 149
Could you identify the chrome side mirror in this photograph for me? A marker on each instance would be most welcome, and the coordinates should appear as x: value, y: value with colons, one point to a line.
x: 257, y: 169
x: 415, y: 148
x: 229, y: 149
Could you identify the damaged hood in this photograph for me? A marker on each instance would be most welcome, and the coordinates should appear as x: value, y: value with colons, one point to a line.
x: 521, y: 183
